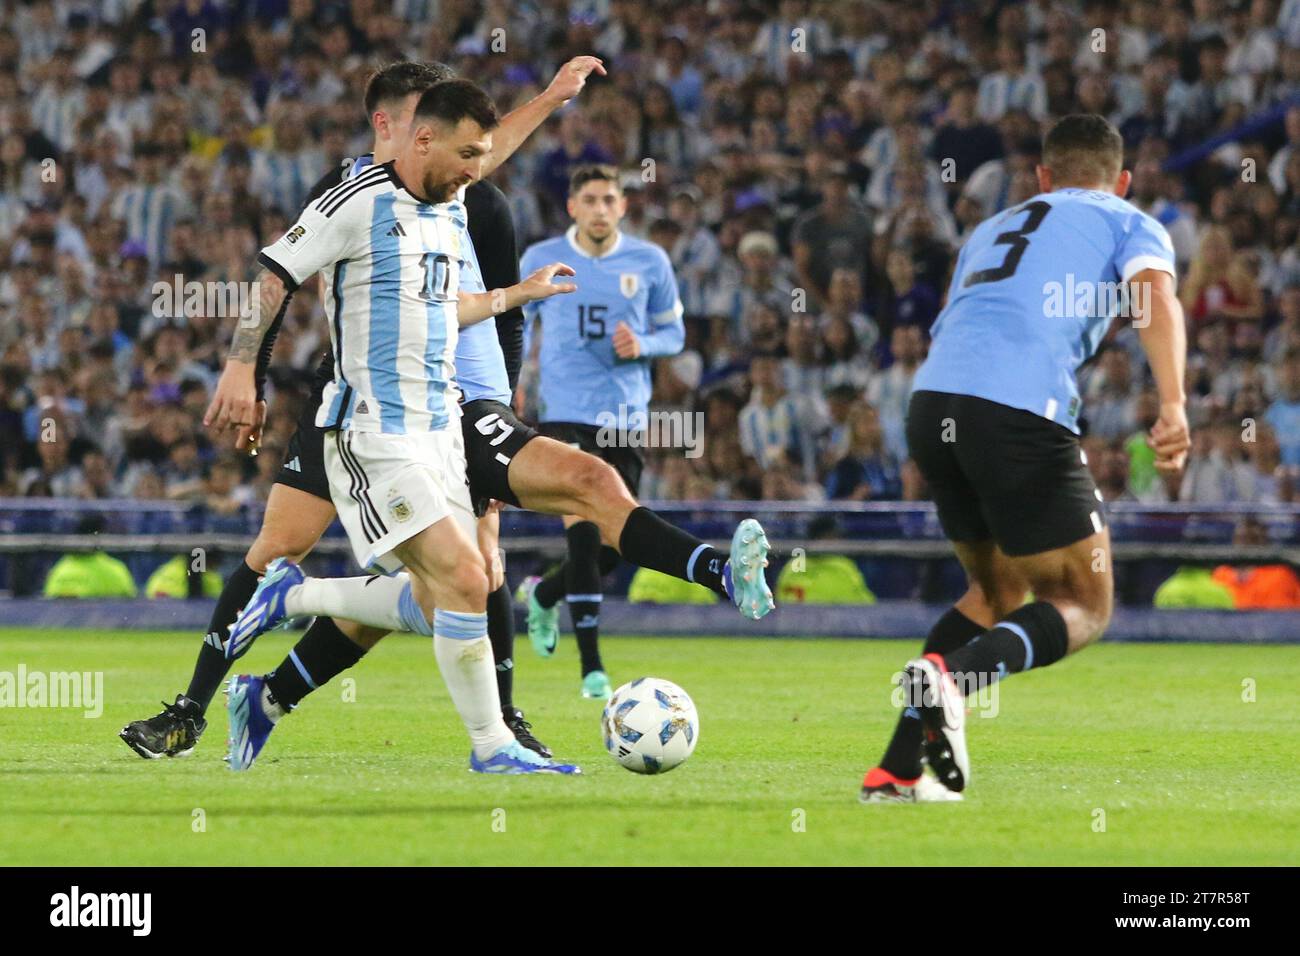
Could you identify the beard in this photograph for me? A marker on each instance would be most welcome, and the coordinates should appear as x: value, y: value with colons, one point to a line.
x: 440, y: 191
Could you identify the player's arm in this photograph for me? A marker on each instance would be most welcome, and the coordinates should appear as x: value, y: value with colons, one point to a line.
x: 517, y: 125
x: 235, y: 402
x: 328, y: 181
x: 312, y: 243
x: 1163, y: 334
x: 477, y: 306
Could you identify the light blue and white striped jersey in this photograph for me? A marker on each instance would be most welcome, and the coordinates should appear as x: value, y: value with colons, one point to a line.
x: 56, y: 113
x: 480, y: 364
x: 1032, y: 295
x: 149, y: 213
x: 999, y: 92
x: 391, y: 267
x: 284, y: 179
x: 1288, y: 22
x: 633, y: 282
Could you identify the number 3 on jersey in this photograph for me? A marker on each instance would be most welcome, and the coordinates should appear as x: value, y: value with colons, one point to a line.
x: 1038, y: 211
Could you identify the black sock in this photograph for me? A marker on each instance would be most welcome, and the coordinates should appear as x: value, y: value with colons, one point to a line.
x: 501, y: 632
x: 651, y: 542
x: 1031, y: 636
x: 551, y: 587
x: 320, y: 655
x: 903, y: 755
x: 211, y: 667
x: 582, y: 591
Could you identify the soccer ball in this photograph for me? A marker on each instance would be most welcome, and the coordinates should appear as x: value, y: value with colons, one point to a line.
x: 650, y: 725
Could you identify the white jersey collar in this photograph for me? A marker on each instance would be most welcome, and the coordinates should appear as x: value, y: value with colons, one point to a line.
x: 571, y: 234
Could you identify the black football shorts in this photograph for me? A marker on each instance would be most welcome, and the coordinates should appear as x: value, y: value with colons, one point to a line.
x: 1002, y: 473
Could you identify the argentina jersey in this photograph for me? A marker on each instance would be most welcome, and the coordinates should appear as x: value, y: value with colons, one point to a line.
x: 1033, y: 293
x: 582, y: 379
x: 390, y: 266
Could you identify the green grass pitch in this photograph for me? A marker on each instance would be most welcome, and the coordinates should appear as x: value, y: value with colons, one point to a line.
x: 1126, y: 754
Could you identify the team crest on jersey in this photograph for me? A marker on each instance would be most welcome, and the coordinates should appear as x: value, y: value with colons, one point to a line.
x: 399, y: 508
x: 628, y: 283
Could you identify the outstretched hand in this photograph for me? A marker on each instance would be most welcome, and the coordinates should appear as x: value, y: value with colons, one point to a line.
x: 539, y: 285
x: 572, y: 77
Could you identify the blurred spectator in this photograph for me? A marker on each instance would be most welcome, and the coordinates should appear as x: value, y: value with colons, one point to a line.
x: 890, y: 390
x: 1284, y: 414
x: 1110, y: 404
x: 836, y: 234
x: 849, y: 165
x: 1217, y: 284
x: 775, y: 424
x: 867, y: 472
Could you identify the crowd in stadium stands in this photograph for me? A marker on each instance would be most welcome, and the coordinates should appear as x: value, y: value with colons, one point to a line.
x: 811, y: 167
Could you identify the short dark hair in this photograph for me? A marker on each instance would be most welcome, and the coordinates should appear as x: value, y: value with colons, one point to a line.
x: 594, y: 172
x: 454, y: 100
x: 1083, y: 149
x: 397, y: 81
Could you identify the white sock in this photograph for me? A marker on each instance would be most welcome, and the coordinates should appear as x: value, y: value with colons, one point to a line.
x: 374, y: 600
x: 469, y: 672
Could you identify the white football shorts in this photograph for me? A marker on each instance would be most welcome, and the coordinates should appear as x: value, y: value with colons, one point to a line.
x: 389, y: 488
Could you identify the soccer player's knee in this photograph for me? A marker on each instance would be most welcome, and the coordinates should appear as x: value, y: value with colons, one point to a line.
x: 470, y: 582
x: 277, y: 542
x: 602, y: 483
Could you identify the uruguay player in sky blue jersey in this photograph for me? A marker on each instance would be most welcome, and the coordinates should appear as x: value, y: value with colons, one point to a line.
x: 993, y: 425
x: 595, y: 387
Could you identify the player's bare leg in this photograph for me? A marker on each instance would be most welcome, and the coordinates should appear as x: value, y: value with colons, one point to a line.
x: 1073, y: 591
x: 449, y: 589
x: 549, y: 476
x: 292, y: 524
x: 446, y: 576
x: 334, y: 643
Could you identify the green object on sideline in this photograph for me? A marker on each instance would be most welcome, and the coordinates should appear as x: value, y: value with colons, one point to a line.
x: 172, y: 581
x: 822, y: 579
x: 1193, y: 587
x: 655, y: 587
x: 93, y: 575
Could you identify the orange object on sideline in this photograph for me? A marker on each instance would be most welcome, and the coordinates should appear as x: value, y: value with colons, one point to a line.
x: 1262, y: 586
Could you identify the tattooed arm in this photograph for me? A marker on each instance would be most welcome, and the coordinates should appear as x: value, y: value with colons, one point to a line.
x: 235, y: 404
